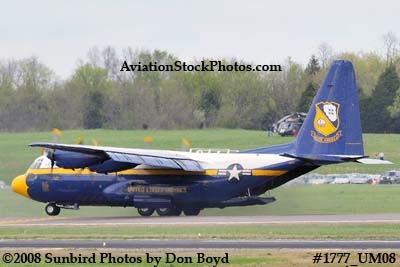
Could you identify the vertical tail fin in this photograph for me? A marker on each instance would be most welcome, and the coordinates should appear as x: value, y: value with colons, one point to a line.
x: 332, y: 126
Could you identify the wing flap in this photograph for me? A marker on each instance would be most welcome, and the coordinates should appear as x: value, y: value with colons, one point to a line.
x: 122, y: 157
x: 162, y: 162
x: 148, y: 160
x: 189, y: 165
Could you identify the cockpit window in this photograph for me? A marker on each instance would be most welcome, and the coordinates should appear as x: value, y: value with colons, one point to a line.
x: 36, y: 164
x: 42, y: 163
x: 46, y: 164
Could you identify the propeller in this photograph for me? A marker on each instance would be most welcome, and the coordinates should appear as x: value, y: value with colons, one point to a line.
x: 50, y: 152
x: 50, y: 156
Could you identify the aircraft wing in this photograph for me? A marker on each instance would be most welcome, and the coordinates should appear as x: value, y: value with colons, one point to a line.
x: 80, y: 156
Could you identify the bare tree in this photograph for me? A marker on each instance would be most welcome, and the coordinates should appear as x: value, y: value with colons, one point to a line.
x: 111, y: 63
x: 94, y: 57
x: 390, y: 43
x: 324, y: 54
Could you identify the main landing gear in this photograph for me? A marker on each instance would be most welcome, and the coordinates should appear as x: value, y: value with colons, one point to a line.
x: 52, y: 209
x: 191, y: 212
x: 168, y: 211
x: 145, y: 211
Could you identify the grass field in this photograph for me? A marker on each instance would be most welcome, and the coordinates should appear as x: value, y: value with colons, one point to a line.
x: 282, y: 231
x: 16, y: 156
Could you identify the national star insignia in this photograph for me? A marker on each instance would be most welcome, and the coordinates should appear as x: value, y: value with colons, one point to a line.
x: 234, y: 173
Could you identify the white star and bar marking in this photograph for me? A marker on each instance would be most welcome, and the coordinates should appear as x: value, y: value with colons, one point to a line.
x: 234, y: 171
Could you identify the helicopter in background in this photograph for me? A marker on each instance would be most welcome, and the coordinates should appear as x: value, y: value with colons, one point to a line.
x: 290, y: 124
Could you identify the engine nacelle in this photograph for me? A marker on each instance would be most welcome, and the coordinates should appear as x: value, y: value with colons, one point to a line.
x: 72, y: 160
x: 111, y: 166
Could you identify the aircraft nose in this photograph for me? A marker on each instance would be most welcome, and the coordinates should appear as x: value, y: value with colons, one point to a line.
x: 19, y: 185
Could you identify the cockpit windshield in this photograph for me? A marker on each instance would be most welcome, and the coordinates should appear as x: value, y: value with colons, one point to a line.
x: 42, y: 162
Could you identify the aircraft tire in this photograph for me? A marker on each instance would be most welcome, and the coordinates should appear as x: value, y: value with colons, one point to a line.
x: 52, y: 209
x: 177, y: 212
x: 191, y: 212
x: 145, y: 211
x: 168, y: 211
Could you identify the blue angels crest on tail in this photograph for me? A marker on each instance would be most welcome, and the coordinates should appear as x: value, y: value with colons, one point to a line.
x: 326, y: 122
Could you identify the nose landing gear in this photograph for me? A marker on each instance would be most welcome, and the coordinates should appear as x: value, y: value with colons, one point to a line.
x: 52, y: 209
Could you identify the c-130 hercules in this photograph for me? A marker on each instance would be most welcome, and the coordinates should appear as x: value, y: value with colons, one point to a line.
x: 170, y: 182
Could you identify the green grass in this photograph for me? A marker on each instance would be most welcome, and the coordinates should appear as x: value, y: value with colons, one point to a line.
x: 282, y: 231
x: 304, y: 199
x: 16, y: 156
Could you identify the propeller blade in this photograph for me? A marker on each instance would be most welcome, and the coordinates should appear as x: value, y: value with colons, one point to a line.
x: 50, y: 156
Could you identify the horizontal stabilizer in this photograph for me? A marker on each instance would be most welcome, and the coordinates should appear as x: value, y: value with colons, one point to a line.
x: 324, y: 159
x: 373, y: 161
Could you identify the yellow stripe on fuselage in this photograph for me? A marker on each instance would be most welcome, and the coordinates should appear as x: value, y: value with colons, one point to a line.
x: 267, y: 172
x: 125, y: 172
x: 149, y: 172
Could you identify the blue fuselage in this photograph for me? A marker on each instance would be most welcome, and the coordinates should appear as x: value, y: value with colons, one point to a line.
x: 151, y: 189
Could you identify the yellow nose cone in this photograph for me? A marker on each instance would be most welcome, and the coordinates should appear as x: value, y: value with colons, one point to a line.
x: 19, y: 186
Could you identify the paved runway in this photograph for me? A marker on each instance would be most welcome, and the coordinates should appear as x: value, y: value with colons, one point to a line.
x: 203, y: 220
x: 205, y: 244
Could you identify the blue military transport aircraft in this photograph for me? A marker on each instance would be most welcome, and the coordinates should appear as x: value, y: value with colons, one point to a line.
x: 170, y: 182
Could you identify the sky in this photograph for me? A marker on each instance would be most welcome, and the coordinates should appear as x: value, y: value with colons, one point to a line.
x: 60, y: 33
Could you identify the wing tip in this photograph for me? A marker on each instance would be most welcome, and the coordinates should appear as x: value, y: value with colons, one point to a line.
x: 40, y: 144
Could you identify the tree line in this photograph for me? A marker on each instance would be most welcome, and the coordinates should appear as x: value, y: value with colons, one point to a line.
x: 99, y: 95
